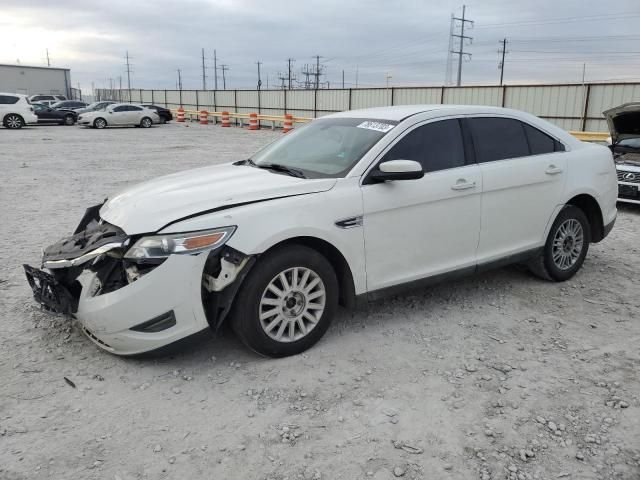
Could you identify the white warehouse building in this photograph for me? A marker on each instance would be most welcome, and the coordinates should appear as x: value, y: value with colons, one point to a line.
x: 33, y: 80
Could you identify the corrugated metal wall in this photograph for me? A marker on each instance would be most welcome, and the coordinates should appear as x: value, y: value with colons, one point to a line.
x: 572, y: 107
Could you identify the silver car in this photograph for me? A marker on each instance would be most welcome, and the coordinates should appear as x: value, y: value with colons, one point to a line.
x: 119, y: 115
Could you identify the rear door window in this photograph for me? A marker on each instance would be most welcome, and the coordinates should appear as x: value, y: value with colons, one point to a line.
x: 540, y: 142
x: 496, y: 138
x: 121, y: 108
x: 436, y: 146
x: 8, y: 99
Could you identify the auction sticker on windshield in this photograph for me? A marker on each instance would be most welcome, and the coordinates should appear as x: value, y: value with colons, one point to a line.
x: 377, y: 126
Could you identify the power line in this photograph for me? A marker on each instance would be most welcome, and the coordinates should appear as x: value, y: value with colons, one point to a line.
x: 461, y: 53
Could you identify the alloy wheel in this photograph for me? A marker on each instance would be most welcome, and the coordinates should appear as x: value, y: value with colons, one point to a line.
x: 13, y: 121
x: 292, y: 304
x: 567, y: 244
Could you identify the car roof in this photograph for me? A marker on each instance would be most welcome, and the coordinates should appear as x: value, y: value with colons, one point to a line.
x: 398, y: 113
x: 14, y: 94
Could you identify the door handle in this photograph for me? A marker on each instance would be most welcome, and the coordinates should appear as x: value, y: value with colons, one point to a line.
x: 462, y: 184
x: 553, y: 170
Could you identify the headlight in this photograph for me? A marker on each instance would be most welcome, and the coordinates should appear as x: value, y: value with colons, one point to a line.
x: 161, y: 246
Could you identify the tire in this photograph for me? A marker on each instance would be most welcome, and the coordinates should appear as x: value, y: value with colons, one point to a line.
x: 258, y: 298
x: 69, y: 120
x: 13, y: 121
x: 100, y: 123
x: 146, y: 122
x: 163, y: 120
x: 566, y: 246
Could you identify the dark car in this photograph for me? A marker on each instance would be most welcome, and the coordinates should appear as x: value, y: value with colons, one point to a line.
x: 68, y: 105
x: 47, y: 114
x: 164, y: 113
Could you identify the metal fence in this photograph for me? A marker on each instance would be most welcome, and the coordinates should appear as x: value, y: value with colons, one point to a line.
x: 570, y: 106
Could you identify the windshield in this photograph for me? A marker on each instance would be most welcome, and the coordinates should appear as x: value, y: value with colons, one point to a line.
x: 325, y: 147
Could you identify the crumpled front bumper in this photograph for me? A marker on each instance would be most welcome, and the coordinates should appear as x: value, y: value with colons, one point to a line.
x: 115, y: 321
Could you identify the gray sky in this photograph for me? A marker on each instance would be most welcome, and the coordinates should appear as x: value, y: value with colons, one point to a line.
x: 549, y: 40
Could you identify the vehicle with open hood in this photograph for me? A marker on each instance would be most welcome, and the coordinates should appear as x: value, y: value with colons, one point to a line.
x: 624, y: 126
x: 351, y: 207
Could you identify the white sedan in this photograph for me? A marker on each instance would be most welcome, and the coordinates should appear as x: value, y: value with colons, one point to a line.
x: 351, y: 207
x: 119, y: 115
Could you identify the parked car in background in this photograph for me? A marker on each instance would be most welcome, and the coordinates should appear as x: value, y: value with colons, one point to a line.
x: 46, y: 99
x: 69, y: 104
x: 400, y: 197
x: 624, y: 126
x: 119, y: 115
x: 16, y: 111
x: 48, y: 115
x: 164, y: 113
x: 95, y: 106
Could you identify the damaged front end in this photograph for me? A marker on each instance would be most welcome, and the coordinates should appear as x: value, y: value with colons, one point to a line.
x: 134, y: 294
x: 94, y: 245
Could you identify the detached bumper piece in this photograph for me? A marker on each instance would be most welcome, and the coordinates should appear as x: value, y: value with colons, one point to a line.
x: 49, y: 292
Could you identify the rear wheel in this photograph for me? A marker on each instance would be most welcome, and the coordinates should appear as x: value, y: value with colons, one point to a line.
x: 566, y: 247
x: 163, y: 120
x: 146, y: 122
x: 13, y: 121
x: 99, y: 123
x: 69, y: 120
x: 287, y: 303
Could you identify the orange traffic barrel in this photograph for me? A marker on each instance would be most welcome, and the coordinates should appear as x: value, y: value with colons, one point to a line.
x: 288, y: 123
x: 204, y: 117
x: 253, y: 121
x: 180, y: 115
x: 225, y: 119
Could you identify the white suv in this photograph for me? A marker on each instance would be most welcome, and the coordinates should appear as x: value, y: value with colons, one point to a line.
x: 47, y: 100
x: 16, y: 110
x: 351, y: 207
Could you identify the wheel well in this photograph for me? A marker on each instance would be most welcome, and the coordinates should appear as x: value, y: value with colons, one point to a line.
x: 99, y: 118
x: 346, y: 286
x: 591, y: 209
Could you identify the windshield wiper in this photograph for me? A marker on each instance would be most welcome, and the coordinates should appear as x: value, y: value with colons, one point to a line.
x: 276, y: 167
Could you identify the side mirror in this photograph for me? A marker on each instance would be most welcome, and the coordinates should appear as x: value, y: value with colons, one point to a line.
x: 397, y: 170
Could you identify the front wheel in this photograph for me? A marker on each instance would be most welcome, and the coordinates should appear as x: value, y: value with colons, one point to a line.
x: 13, y: 121
x: 287, y: 302
x: 69, y: 120
x: 100, y: 123
x: 146, y: 122
x: 566, y: 247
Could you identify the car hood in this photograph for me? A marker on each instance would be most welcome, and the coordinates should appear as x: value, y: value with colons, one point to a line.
x: 623, y: 121
x: 150, y: 206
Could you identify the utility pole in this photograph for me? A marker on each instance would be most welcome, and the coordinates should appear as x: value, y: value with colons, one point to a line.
x: 204, y: 73
x: 343, y: 79
x: 447, y: 75
x: 48, y: 60
x: 215, y: 69
x: 224, y: 68
x: 501, y: 65
x: 179, y: 79
x: 128, y: 72
x: 259, y: 79
x: 307, y: 71
x: 289, y: 78
x: 461, y: 53
x: 356, y: 76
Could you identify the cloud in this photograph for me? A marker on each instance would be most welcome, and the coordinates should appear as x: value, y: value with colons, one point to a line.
x: 548, y: 40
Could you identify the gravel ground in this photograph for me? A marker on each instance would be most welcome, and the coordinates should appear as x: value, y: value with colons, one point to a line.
x: 499, y: 376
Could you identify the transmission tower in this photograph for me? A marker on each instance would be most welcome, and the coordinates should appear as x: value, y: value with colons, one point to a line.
x: 460, y: 52
x: 128, y: 71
